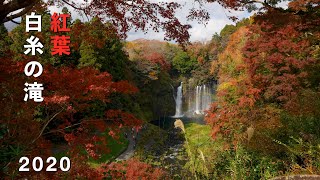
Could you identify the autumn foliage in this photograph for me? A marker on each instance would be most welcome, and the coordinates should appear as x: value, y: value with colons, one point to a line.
x: 266, y: 70
x: 69, y: 92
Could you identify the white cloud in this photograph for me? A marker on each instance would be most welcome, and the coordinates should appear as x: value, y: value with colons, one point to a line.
x: 199, y: 32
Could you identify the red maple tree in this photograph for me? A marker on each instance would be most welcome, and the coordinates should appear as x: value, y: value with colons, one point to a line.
x: 269, y: 74
x: 31, y: 126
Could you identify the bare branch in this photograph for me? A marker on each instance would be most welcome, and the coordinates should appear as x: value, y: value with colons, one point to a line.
x: 19, y: 14
x: 14, y: 21
x: 59, y: 130
x: 264, y: 3
x: 47, y: 123
x: 77, y: 8
x: 72, y: 5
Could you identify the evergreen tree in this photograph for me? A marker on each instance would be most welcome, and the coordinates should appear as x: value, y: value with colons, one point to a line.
x: 5, y: 40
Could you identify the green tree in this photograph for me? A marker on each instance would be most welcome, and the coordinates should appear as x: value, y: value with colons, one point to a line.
x: 103, y: 50
x: 19, y: 37
x: 88, y: 56
x: 184, y: 63
x: 228, y: 30
x: 5, y: 40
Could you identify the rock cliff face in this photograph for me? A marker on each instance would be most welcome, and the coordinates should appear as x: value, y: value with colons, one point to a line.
x: 155, y: 98
x: 162, y: 100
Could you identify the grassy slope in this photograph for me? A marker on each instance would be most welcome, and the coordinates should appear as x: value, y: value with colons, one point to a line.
x: 200, y: 147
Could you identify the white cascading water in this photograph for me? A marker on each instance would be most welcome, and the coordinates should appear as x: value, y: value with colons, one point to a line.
x: 202, y: 99
x: 178, y: 100
x: 198, y: 102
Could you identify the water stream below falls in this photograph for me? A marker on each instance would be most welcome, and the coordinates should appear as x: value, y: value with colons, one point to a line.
x: 173, y: 155
x: 191, y: 104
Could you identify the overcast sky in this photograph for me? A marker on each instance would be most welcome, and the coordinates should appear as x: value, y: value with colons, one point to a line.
x: 199, y: 32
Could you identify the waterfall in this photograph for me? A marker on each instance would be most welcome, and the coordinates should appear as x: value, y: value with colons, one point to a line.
x: 195, y: 100
x: 178, y: 100
x: 203, y: 95
x: 204, y: 98
x: 190, y: 102
x: 198, y: 92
